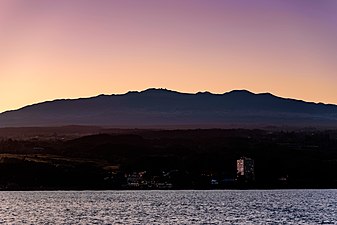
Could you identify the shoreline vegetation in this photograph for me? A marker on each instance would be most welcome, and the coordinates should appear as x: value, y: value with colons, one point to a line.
x: 91, y: 158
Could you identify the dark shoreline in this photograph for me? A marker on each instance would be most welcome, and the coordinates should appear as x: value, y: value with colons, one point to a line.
x: 126, y: 190
x: 168, y: 159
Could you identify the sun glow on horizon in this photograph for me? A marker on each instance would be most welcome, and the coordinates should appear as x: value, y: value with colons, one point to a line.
x: 62, y: 49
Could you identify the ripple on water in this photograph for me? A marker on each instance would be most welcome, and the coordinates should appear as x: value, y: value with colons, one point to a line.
x: 170, y: 207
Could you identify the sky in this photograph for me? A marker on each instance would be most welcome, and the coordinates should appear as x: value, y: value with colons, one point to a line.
x: 79, y: 48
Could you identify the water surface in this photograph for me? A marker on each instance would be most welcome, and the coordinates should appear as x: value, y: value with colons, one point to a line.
x: 170, y: 207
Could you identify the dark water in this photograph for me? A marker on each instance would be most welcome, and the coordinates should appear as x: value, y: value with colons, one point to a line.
x: 170, y: 207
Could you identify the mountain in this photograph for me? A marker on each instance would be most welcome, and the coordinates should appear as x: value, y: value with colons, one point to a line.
x: 166, y: 108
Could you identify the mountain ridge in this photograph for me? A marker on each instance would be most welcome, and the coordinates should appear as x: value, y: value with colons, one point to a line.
x: 156, y: 89
x: 153, y: 107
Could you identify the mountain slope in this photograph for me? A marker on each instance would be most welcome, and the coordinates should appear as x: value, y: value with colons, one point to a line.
x: 165, y: 108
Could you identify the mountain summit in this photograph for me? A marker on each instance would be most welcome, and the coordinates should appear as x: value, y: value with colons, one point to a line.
x: 166, y: 108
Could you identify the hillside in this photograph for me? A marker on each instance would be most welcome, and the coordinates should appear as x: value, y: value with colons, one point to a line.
x: 165, y: 108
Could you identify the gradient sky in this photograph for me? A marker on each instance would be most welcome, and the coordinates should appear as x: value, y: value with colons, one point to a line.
x: 53, y: 49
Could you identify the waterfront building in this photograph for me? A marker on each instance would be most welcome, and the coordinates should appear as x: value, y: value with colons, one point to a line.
x: 245, y: 169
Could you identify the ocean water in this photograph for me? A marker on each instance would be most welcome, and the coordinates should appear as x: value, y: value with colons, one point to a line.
x: 170, y: 207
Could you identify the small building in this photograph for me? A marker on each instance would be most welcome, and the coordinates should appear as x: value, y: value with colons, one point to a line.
x: 135, y: 179
x: 245, y: 169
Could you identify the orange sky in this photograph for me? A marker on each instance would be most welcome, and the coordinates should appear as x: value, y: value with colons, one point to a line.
x: 68, y: 49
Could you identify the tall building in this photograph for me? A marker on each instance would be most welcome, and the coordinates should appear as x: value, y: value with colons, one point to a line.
x: 245, y: 169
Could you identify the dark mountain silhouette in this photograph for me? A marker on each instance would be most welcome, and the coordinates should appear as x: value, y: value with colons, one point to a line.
x: 166, y: 108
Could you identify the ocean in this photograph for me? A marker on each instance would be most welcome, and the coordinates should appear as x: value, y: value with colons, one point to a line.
x: 170, y: 207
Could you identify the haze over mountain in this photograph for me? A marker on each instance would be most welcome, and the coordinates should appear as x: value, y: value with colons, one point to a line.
x: 166, y: 108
